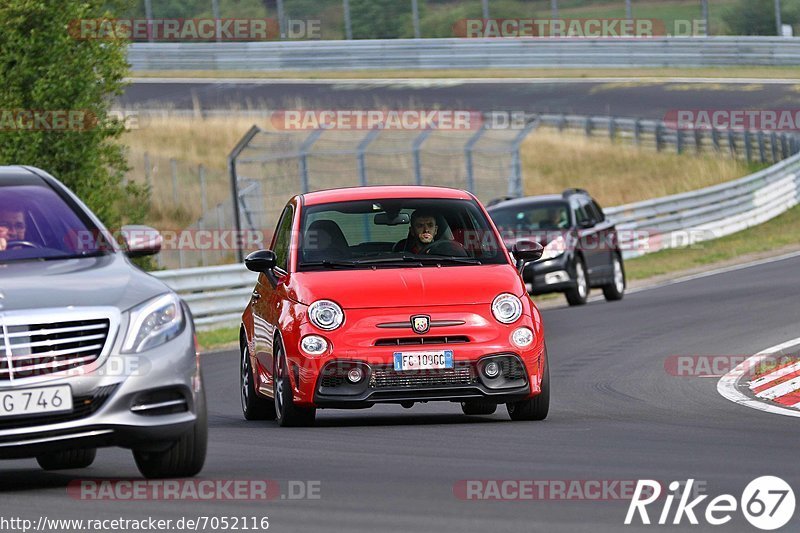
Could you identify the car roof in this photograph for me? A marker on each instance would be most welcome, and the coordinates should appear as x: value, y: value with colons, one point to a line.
x: 529, y: 200
x: 19, y: 175
x: 377, y: 192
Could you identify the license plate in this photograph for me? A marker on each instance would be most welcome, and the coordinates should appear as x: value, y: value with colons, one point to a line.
x: 35, y: 401
x: 405, y: 361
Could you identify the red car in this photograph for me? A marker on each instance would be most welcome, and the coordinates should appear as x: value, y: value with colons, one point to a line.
x: 392, y: 294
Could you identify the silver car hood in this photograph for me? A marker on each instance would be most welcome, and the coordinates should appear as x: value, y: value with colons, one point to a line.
x: 109, y: 280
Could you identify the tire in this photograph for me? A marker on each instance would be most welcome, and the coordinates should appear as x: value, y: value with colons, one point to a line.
x: 67, y: 460
x: 478, y: 407
x: 615, y: 290
x: 286, y: 412
x: 254, y: 407
x: 535, y: 408
x: 580, y: 293
x: 185, y: 458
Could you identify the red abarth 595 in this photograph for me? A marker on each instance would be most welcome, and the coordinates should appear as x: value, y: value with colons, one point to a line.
x: 393, y: 294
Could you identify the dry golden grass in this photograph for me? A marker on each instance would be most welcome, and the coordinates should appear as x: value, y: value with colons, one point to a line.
x: 551, y: 162
x: 617, y: 173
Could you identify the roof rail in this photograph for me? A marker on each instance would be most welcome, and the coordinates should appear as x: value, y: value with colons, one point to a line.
x: 570, y: 192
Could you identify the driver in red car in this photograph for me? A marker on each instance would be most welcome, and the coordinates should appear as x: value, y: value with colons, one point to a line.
x: 422, y: 232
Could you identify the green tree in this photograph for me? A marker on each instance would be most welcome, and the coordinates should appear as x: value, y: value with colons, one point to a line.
x: 45, y: 67
x: 757, y: 17
x: 379, y: 19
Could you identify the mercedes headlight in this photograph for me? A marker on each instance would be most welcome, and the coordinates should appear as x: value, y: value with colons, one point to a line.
x: 153, y: 323
x: 326, y: 314
x: 507, y: 308
x: 555, y: 248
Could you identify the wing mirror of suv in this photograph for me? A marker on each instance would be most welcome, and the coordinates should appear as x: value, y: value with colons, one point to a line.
x: 261, y: 261
x: 586, y: 224
x: 526, y: 251
x: 141, y: 240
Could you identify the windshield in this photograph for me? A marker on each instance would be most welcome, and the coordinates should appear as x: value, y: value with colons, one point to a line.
x: 36, y: 223
x: 397, y: 232
x: 532, y: 217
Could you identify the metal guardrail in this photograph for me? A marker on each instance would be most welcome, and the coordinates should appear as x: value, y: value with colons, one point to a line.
x: 454, y: 53
x: 217, y: 295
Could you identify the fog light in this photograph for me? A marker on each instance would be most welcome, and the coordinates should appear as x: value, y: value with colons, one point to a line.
x: 522, y: 337
x: 355, y: 375
x: 491, y: 369
x: 314, y: 345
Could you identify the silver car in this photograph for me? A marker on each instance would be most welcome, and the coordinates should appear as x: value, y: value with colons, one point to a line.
x: 93, y: 351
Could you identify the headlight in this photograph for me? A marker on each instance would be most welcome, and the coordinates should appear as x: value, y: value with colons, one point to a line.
x: 325, y: 314
x: 554, y: 248
x: 314, y: 345
x: 153, y: 323
x: 507, y: 308
x: 522, y: 337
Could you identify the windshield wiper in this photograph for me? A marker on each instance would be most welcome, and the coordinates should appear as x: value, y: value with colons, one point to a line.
x: 375, y: 261
x: 449, y: 259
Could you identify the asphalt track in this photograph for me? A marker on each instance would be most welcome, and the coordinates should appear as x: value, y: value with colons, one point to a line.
x: 616, y: 415
x: 644, y: 99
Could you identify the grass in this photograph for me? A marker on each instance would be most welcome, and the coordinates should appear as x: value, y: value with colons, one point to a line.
x: 217, y: 338
x: 782, y: 231
x: 620, y: 173
x: 757, y: 72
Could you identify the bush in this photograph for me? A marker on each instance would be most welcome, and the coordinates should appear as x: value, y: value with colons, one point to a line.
x: 44, y: 68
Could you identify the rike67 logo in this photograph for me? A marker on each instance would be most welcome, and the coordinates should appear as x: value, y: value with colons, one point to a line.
x: 767, y: 503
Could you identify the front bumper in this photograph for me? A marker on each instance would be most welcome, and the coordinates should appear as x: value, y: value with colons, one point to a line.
x: 550, y: 275
x: 382, y: 384
x: 145, y: 401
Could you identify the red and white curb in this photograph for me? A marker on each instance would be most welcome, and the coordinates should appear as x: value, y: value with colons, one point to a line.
x: 777, y: 392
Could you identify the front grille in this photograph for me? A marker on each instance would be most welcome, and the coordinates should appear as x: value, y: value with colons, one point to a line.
x: 419, y: 340
x: 28, y: 350
x: 386, y: 378
x: 82, y: 406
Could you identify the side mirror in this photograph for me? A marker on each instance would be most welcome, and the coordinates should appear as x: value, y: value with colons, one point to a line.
x: 261, y: 261
x: 586, y: 224
x: 141, y: 240
x: 526, y: 252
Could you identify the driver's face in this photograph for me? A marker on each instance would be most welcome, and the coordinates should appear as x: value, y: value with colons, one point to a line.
x: 424, y: 229
x: 14, y: 222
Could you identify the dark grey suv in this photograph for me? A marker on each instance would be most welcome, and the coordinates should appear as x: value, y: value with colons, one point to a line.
x: 581, y: 246
x: 93, y: 351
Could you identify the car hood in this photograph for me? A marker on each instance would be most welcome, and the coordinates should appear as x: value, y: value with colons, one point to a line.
x: 407, y: 287
x: 108, y: 280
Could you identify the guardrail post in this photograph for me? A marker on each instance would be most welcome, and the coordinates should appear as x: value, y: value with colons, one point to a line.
x: 562, y: 123
x: 416, y: 146
x: 612, y: 128
x: 588, y: 126
x: 784, y: 146
x: 659, y: 135
x: 762, y: 149
x: 698, y: 141
x: 715, y: 139
x: 303, y: 158
x: 637, y: 132
x: 732, y: 143
x: 468, y: 156
x: 748, y: 150
x: 773, y: 143
x: 679, y: 141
